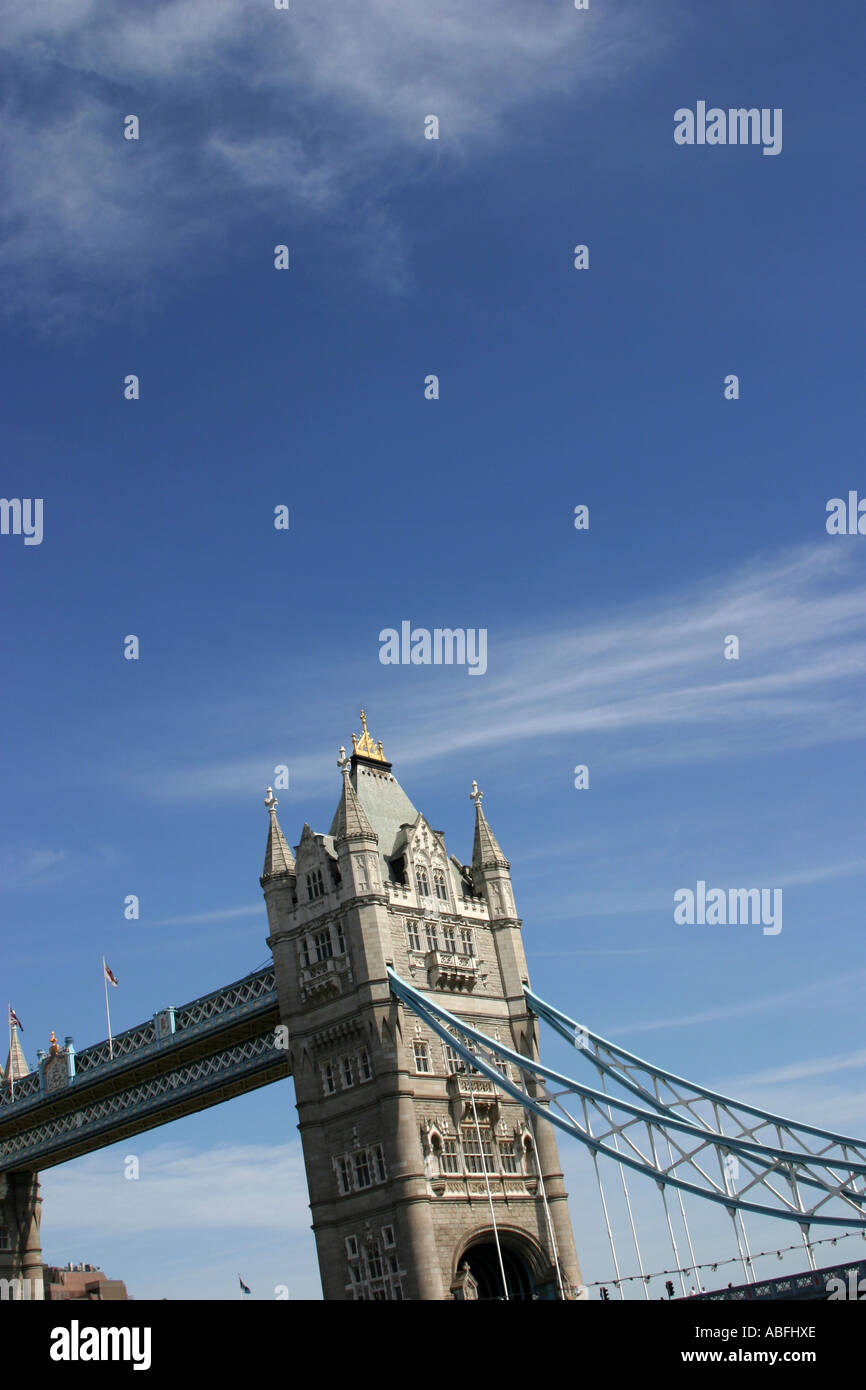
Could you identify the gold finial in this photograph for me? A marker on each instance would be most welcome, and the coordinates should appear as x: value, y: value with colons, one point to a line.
x: 270, y: 800
x: 364, y: 746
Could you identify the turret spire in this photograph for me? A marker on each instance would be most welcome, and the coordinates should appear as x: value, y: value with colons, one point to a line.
x: 351, y: 820
x: 16, y: 1062
x: 279, y: 860
x: 486, y: 853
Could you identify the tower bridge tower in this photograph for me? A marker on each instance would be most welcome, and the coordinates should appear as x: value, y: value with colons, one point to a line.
x: 424, y: 1182
x: 20, y: 1207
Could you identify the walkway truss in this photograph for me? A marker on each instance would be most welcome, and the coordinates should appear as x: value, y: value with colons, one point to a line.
x: 680, y: 1134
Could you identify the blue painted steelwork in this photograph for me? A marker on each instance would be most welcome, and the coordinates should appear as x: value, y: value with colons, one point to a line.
x: 768, y: 1161
x: 569, y: 1029
x: 181, y: 1060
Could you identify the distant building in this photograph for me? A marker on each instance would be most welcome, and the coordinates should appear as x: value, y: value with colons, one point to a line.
x: 82, y: 1282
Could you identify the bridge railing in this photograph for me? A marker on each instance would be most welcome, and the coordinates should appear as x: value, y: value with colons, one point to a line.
x: 231, y: 1001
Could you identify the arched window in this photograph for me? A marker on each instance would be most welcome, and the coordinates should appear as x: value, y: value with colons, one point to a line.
x: 423, y: 883
x: 439, y: 884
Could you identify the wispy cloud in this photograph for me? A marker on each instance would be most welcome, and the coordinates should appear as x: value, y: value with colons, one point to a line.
x: 24, y: 868
x: 180, y: 1189
x: 814, y: 994
x: 649, y: 684
x: 806, y: 1067
x: 244, y: 107
x: 218, y: 914
x: 659, y: 666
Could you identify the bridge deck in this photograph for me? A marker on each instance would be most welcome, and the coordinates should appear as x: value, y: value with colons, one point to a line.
x: 224, y: 1044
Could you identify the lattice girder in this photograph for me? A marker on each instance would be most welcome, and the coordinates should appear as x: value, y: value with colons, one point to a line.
x: 693, y: 1138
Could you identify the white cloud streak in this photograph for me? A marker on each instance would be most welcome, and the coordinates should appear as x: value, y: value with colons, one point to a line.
x: 648, y: 685
x: 251, y: 1187
x: 245, y: 107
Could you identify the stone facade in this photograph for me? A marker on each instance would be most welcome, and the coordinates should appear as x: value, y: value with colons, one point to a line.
x: 20, y: 1209
x: 20, y: 1248
x: 395, y: 1140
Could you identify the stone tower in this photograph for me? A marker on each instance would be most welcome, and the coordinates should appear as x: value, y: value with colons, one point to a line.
x: 20, y: 1208
x: 395, y: 1142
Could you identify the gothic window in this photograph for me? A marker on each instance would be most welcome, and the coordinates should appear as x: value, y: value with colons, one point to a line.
x: 467, y: 942
x: 423, y: 883
x: 346, y: 1071
x: 430, y: 933
x: 439, y: 884
x: 379, y: 1163
x: 510, y: 1160
x: 453, y: 1063
x: 305, y: 953
x: 329, y: 1079
x: 361, y: 1169
x: 364, y: 1068
x: 315, y: 885
x: 341, y: 940
x: 374, y: 1274
x: 422, y: 1056
x: 412, y: 934
x: 448, y: 937
x: 501, y: 1065
x: 478, y: 1154
x: 449, y: 1160
x: 322, y: 943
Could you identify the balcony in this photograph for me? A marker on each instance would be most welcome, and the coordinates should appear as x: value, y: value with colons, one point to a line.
x: 451, y: 970
x: 463, y: 1089
x: 324, y: 979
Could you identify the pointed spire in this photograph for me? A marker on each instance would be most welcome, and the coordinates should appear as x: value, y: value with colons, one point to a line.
x: 16, y: 1063
x: 486, y: 853
x: 279, y: 861
x: 351, y: 821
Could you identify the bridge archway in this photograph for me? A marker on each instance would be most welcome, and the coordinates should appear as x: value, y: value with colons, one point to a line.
x: 525, y: 1271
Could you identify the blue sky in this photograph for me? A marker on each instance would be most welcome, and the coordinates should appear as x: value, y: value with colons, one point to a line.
x: 306, y: 388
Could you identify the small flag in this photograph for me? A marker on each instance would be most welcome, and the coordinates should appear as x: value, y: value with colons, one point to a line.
x: 14, y: 1019
x: 110, y: 975
x: 245, y: 1289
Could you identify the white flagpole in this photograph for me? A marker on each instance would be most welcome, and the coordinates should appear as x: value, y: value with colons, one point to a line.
x: 11, y: 1068
x: 107, y: 1013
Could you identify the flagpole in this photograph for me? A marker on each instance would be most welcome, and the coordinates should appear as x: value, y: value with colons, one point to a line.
x: 107, y: 1012
x: 11, y: 1068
